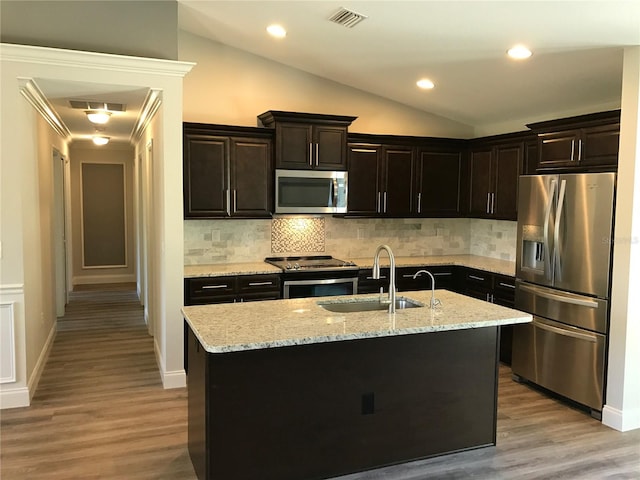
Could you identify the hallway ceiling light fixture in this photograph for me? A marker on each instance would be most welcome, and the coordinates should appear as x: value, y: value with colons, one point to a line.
x: 425, y: 84
x: 277, y: 31
x: 100, y: 139
x: 519, y: 52
x: 99, y: 117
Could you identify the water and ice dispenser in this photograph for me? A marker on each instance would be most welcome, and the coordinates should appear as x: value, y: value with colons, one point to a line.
x: 534, y: 249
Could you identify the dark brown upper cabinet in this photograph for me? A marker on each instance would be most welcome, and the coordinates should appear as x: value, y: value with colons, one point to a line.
x: 306, y: 141
x: 227, y: 171
x: 439, y: 181
x: 582, y: 143
x: 380, y: 180
x: 495, y: 164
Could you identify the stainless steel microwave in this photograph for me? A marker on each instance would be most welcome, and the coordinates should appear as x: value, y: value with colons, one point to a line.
x: 311, y: 191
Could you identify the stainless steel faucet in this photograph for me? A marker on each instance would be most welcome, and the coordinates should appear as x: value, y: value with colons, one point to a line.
x: 392, y: 274
x: 434, y: 301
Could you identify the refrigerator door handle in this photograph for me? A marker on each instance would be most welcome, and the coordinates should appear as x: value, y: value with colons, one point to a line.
x: 567, y: 333
x: 547, y: 215
x: 565, y: 298
x: 557, y: 254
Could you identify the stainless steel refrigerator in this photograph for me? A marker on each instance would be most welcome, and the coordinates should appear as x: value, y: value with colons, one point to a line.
x: 564, y: 249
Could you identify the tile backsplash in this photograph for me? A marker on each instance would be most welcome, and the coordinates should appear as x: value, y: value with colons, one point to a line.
x: 232, y: 241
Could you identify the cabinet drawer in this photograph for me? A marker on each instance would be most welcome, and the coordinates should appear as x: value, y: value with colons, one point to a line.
x: 211, y: 286
x: 504, y: 289
x: 443, y: 275
x: 248, y: 284
x: 477, y: 279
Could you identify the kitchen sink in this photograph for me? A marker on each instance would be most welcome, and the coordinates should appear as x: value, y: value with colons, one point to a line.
x: 366, y: 305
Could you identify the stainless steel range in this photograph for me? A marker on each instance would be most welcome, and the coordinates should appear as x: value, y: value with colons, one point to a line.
x: 316, y: 276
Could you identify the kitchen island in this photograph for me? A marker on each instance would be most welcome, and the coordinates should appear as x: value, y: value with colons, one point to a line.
x: 287, y: 389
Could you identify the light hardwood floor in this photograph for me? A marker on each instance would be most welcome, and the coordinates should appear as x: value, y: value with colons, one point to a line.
x: 100, y: 412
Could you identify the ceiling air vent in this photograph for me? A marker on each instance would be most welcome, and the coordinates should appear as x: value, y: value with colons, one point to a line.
x: 347, y: 18
x: 90, y: 105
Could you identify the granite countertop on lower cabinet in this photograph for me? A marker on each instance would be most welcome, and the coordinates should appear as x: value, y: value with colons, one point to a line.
x: 492, y: 265
x: 228, y: 269
x: 488, y: 264
x: 236, y: 327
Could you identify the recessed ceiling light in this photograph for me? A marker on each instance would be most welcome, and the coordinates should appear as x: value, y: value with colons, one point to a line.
x: 425, y: 84
x: 519, y: 52
x: 277, y: 31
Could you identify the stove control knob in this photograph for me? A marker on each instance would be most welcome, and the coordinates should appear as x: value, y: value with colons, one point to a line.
x: 296, y: 266
x: 288, y: 266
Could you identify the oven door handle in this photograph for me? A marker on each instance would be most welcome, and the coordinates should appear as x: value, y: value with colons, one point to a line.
x: 328, y: 281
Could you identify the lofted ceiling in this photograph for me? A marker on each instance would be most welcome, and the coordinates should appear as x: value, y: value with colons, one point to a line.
x: 576, y: 66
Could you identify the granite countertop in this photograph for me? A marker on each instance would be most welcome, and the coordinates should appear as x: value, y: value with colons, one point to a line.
x: 488, y: 264
x: 493, y: 265
x: 233, y: 327
x: 228, y: 269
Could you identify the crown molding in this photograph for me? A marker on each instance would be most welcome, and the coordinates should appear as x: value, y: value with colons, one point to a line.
x: 147, y: 111
x: 93, y: 60
x: 30, y: 90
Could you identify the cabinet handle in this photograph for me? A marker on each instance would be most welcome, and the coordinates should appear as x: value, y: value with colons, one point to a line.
x: 235, y: 200
x: 212, y: 287
x: 573, y: 149
x: 475, y: 277
x: 443, y: 274
x: 311, y: 154
x: 493, y: 203
x: 378, y: 206
x: 362, y: 150
x: 385, y: 202
x: 317, y: 153
x: 580, y: 150
x: 419, y: 202
x: 382, y: 277
x: 407, y: 276
x: 228, y: 193
x: 508, y: 285
x: 258, y: 284
x: 488, y: 200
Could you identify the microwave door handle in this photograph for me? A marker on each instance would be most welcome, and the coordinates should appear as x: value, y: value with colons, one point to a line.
x: 334, y: 190
x: 547, y: 216
x: 557, y: 253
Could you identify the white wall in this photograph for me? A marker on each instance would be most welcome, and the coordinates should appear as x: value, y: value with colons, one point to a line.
x: 230, y: 86
x: 622, y: 409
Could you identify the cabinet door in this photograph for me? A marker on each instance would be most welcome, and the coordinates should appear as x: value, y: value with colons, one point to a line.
x: 508, y: 161
x: 558, y: 149
x: 365, y: 163
x: 251, y: 178
x: 397, y: 196
x: 206, y: 183
x: 600, y: 145
x: 481, y: 183
x: 294, y: 146
x: 329, y: 148
x: 438, y: 183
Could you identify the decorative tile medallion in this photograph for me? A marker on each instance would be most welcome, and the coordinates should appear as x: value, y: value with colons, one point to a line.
x: 297, y: 235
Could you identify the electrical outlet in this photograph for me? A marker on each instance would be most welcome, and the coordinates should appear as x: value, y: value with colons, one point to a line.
x: 360, y: 233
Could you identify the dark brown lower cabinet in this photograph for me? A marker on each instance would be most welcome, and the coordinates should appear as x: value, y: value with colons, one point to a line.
x: 322, y: 410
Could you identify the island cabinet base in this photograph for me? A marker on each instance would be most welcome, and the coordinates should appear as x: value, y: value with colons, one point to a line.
x: 326, y: 409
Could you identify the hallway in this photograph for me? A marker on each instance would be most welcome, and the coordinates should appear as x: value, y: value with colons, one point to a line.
x: 100, y: 412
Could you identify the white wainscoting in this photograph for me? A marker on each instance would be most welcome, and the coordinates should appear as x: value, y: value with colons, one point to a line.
x: 7, y: 342
x: 13, y: 385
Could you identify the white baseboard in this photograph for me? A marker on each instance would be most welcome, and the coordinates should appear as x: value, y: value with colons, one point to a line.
x: 96, y: 279
x: 14, y: 398
x: 172, y: 379
x: 623, y: 421
x: 32, y: 384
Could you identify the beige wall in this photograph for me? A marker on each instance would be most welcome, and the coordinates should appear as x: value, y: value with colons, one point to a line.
x: 118, y: 154
x: 230, y: 86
